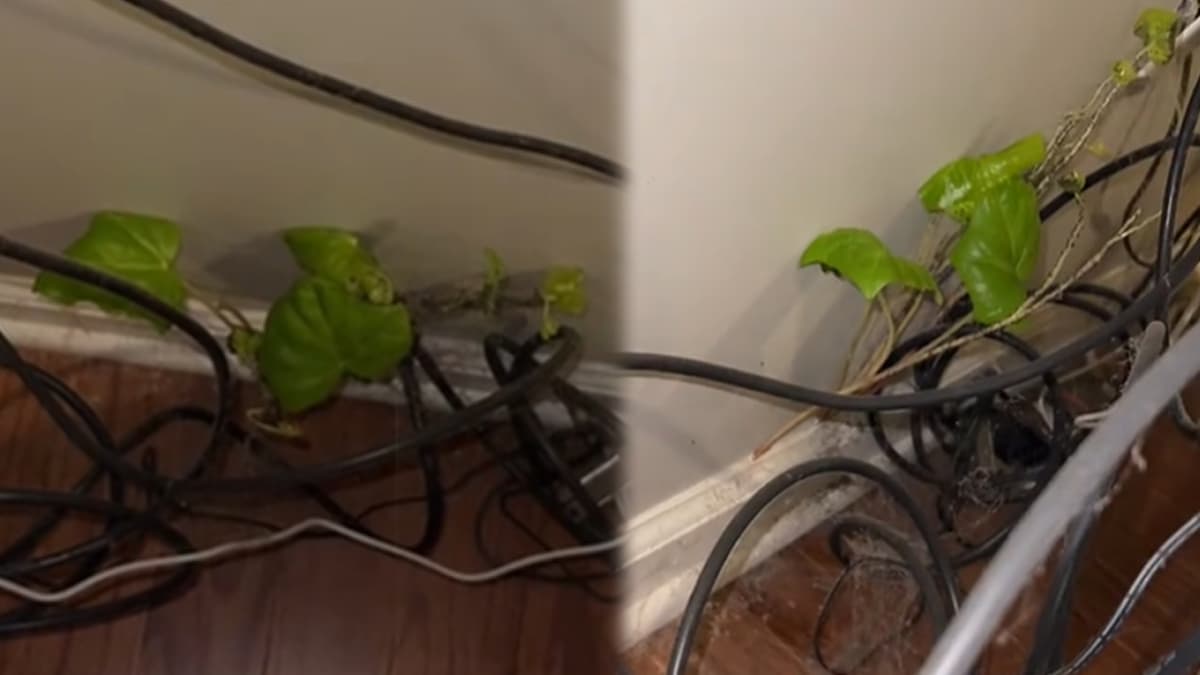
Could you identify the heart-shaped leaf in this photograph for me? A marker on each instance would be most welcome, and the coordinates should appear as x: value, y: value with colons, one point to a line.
x: 136, y: 248
x: 861, y: 258
x: 957, y: 187
x: 318, y: 333
x: 996, y: 254
x: 339, y: 256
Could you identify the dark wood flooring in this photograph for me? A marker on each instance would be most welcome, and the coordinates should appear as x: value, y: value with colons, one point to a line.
x: 315, y: 607
x: 763, y: 623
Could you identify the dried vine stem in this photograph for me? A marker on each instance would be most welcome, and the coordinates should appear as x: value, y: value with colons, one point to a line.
x: 1046, y: 293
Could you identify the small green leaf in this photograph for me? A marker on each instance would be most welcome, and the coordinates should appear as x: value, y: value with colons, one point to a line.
x: 957, y: 187
x: 338, y: 255
x: 318, y: 333
x: 550, y: 325
x: 997, y: 252
x: 494, y: 275
x: 1124, y: 72
x: 563, y: 289
x: 1156, y: 28
x: 136, y: 248
x: 859, y: 257
x: 244, y: 343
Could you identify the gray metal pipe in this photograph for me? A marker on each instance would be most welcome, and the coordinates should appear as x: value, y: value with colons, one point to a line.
x: 1070, y: 492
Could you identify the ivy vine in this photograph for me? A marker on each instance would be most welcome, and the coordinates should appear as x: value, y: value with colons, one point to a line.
x: 994, y: 200
x: 342, y: 320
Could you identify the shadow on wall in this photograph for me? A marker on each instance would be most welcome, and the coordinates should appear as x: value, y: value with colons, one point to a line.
x: 61, y: 20
x: 216, y: 67
x: 51, y: 236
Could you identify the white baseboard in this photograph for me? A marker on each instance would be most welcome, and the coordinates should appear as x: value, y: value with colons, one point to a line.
x: 30, y: 321
x: 667, y: 544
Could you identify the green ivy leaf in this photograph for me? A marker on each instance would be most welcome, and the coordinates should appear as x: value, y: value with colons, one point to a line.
x: 338, y: 256
x: 318, y: 333
x: 1156, y: 28
x: 549, y: 326
x: 859, y: 257
x: 1124, y: 72
x: 136, y: 248
x: 245, y: 343
x: 563, y: 289
x: 957, y: 187
x: 494, y: 275
x: 998, y: 250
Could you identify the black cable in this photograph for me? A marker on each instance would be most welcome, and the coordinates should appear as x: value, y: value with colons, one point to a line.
x: 520, y: 386
x: 1152, y: 172
x: 459, y: 483
x: 909, y: 560
x: 594, y: 526
x: 427, y: 457
x: 1170, y: 203
x: 689, y: 623
x: 827, y: 603
x: 500, y: 494
x: 21, y: 623
x: 366, y: 98
x: 168, y: 496
x: 1183, y: 659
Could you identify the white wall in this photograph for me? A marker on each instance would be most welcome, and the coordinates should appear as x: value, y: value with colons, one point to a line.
x: 754, y: 126
x: 101, y: 109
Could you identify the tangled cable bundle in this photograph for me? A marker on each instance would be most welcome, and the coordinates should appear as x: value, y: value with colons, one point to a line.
x: 997, y: 438
x: 136, y: 502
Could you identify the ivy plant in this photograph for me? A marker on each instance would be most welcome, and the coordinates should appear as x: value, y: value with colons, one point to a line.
x: 341, y: 320
x: 495, y: 274
x: 139, y: 249
x: 338, y: 256
x: 1157, y: 27
x: 996, y: 253
x: 860, y: 257
x: 318, y: 333
x: 562, y: 292
x: 957, y: 187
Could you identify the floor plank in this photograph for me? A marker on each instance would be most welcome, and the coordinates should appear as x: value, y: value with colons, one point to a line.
x: 317, y: 606
x: 763, y: 621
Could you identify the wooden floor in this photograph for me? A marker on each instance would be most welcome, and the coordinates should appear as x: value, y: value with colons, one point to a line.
x: 316, y: 607
x: 763, y: 623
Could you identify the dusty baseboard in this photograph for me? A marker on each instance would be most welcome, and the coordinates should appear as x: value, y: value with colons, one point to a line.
x: 29, y: 321
x: 668, y: 543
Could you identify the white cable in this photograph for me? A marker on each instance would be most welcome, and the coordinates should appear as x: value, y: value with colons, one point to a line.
x: 247, y: 545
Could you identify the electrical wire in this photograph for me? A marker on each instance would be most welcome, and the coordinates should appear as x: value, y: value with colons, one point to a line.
x: 909, y: 561
x: 1063, y: 499
x: 250, y: 545
x: 925, y: 404
x: 1134, y: 593
x: 1085, y: 472
x: 361, y: 96
x: 1184, y: 659
x: 689, y: 623
x: 167, y: 497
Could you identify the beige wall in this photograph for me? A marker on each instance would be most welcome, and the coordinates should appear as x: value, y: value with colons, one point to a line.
x: 754, y: 126
x: 99, y: 110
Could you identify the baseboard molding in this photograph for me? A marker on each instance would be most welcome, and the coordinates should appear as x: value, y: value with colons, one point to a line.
x: 30, y: 321
x: 667, y: 544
